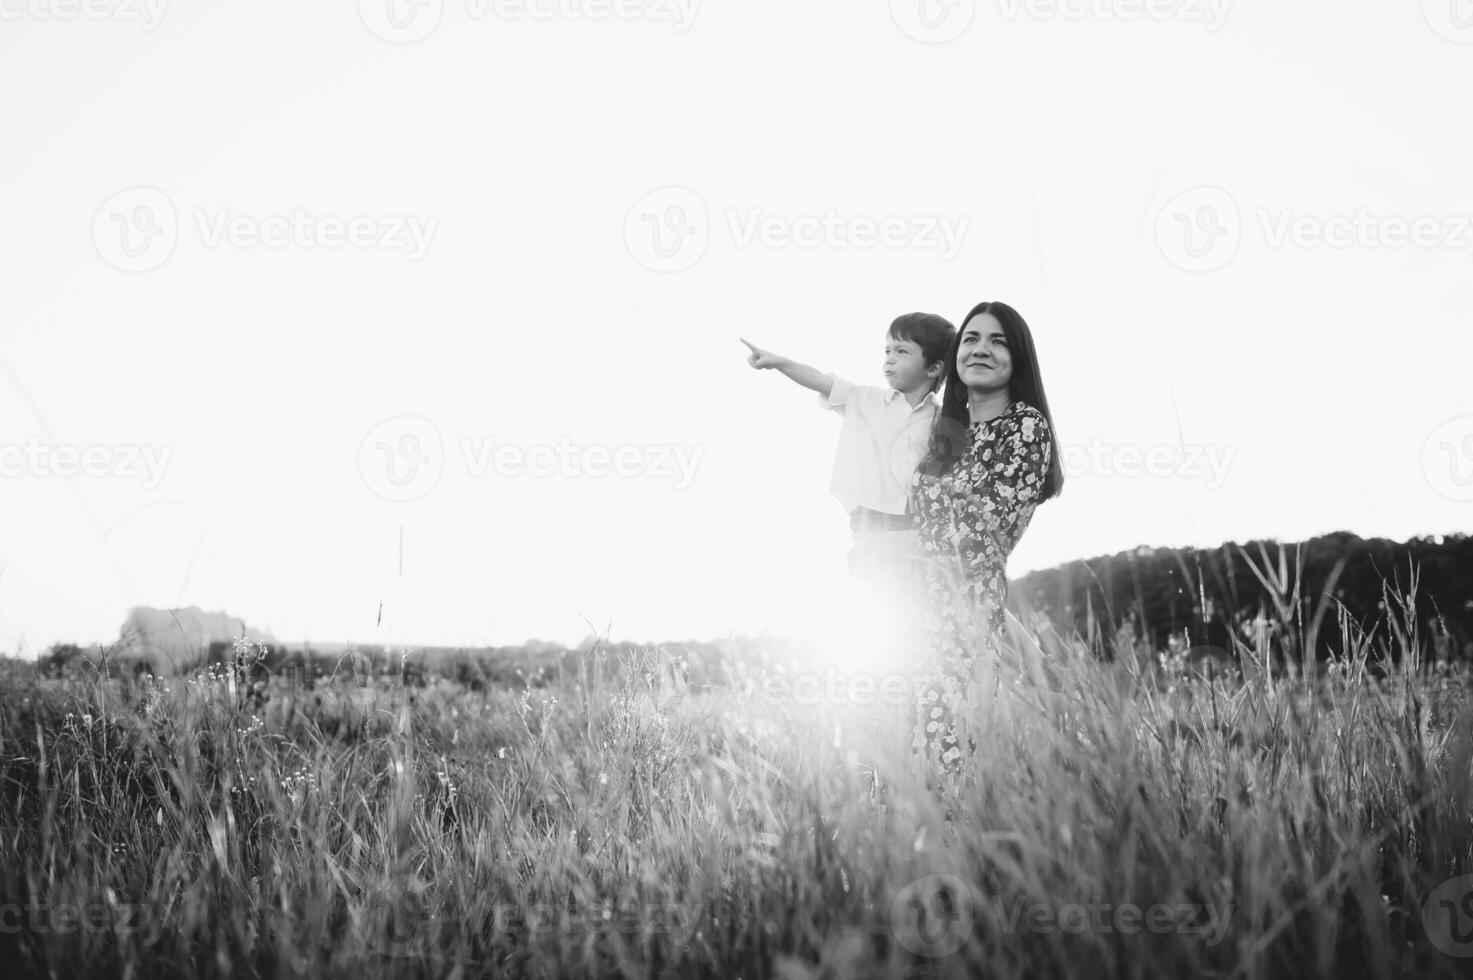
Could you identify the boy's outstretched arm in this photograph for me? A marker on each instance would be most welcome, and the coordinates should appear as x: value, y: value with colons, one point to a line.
x: 809, y: 377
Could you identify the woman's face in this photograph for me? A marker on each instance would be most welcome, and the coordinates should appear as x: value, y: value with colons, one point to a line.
x: 983, y: 359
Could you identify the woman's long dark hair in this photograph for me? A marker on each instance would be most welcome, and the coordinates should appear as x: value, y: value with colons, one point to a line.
x: 949, y: 433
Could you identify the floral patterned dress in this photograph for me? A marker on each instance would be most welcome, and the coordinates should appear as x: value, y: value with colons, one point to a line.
x: 969, y: 522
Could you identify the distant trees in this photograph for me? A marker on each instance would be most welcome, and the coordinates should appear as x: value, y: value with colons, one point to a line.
x: 1208, y: 596
x: 55, y: 661
x: 1182, y: 600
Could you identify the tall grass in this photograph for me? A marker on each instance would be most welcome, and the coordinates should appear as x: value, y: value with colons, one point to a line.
x: 616, y: 823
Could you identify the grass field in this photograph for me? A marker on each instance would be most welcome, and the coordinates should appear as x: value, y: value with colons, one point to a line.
x: 1118, y: 819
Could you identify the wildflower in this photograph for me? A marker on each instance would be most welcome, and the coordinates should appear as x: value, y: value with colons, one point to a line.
x: 448, y: 784
x: 299, y: 783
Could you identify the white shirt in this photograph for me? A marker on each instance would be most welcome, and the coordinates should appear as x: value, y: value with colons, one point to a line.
x: 881, y: 441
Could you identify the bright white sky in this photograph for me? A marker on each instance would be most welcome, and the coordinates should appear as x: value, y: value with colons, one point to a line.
x: 1061, y: 135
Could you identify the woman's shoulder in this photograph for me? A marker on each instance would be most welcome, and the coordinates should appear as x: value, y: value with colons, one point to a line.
x: 1023, y: 416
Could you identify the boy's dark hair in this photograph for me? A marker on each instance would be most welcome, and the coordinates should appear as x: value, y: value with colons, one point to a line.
x: 933, y: 334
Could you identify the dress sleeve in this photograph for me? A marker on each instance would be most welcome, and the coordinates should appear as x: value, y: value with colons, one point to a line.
x: 1006, y: 485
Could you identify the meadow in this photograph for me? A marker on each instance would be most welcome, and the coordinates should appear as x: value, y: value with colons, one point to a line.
x: 1122, y: 816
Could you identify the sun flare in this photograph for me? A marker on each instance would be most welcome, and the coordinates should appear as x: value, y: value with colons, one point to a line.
x: 854, y: 626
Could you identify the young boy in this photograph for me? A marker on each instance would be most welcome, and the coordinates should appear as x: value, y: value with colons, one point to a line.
x: 884, y: 434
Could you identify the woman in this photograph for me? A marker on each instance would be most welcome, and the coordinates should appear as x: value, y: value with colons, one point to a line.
x: 993, y: 458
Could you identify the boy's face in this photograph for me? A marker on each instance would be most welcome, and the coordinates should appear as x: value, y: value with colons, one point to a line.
x: 905, y: 366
